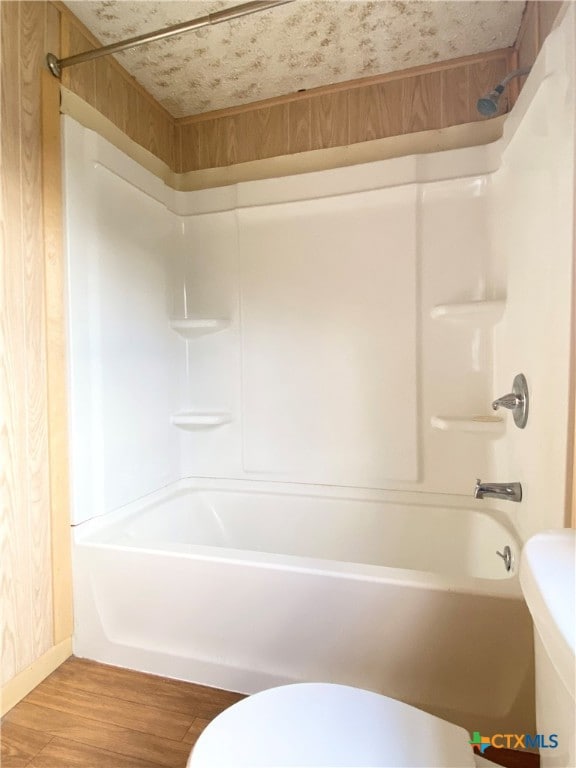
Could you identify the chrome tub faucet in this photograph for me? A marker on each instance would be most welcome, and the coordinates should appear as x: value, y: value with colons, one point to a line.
x: 509, y: 491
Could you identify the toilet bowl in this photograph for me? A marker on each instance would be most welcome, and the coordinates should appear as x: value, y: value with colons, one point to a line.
x: 324, y: 724
x: 321, y: 724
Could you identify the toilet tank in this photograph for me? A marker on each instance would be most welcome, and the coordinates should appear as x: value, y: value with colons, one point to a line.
x: 547, y: 576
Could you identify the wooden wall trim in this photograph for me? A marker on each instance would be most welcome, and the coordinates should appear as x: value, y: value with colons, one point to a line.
x: 348, y: 85
x: 20, y: 686
x: 56, y: 360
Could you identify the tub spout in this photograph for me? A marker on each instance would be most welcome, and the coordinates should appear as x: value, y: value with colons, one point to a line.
x: 509, y: 491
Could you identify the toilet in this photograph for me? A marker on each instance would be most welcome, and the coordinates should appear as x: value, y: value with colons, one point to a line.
x: 323, y: 724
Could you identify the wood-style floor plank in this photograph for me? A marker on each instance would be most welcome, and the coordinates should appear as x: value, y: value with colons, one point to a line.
x: 140, y: 688
x: 61, y: 753
x: 106, y: 736
x: 18, y: 745
x: 110, y: 709
x: 196, y: 729
x: 91, y: 715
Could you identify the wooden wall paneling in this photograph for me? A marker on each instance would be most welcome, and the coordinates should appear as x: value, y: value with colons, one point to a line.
x: 187, y: 147
x: 163, y: 126
x: 15, y: 596
x: 241, y: 141
x: 52, y: 31
x: 155, y: 128
x: 56, y: 360
x: 456, y: 99
x: 299, y: 126
x: 56, y: 356
x: 29, y: 29
x: 146, y: 129
x: 32, y: 52
x: 217, y: 142
x: 266, y: 135
x: 375, y: 111
x: 422, y: 103
x: 110, y: 94
x: 329, y: 120
x: 80, y: 79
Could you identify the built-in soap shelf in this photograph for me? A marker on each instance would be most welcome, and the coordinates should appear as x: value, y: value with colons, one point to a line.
x: 490, y: 311
x: 492, y: 425
x: 191, y: 420
x: 198, y: 326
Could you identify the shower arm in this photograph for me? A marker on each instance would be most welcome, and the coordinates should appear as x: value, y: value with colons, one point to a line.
x: 56, y: 65
x: 516, y: 73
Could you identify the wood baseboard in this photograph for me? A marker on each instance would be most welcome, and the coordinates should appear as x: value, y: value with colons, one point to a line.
x: 21, y: 685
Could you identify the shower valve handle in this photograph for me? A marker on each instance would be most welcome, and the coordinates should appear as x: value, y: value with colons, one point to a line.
x: 510, y: 401
x: 516, y: 401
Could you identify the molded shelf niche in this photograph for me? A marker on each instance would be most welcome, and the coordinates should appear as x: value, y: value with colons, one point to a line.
x: 490, y: 425
x: 191, y: 420
x: 198, y: 326
x: 490, y: 311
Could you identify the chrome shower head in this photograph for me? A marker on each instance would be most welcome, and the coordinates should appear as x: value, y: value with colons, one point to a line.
x: 488, y: 105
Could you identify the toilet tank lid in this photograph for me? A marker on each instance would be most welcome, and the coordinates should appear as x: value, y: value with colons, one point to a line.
x: 548, y: 579
x: 324, y: 724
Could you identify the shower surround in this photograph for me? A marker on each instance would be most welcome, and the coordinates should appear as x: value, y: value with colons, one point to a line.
x: 280, y: 402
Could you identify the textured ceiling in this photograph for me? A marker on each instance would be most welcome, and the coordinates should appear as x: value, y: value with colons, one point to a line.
x: 303, y: 44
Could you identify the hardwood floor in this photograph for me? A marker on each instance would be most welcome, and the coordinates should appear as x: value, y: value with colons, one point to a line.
x: 89, y: 715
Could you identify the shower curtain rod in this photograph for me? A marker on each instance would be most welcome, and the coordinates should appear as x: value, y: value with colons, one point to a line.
x: 56, y: 65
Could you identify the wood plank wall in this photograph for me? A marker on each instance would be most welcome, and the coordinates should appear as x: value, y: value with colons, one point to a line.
x: 418, y: 99
x: 35, y: 602
x: 25, y: 546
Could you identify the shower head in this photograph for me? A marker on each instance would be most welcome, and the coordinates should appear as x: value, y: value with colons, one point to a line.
x: 488, y: 105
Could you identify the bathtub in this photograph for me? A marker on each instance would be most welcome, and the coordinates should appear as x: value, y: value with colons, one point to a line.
x: 245, y: 585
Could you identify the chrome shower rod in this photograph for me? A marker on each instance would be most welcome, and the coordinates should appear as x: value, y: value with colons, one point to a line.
x: 56, y: 65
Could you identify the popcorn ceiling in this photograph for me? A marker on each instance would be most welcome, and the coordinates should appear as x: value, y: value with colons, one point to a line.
x: 304, y: 44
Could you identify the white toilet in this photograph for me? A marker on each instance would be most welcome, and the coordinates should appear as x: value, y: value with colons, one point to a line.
x: 320, y: 724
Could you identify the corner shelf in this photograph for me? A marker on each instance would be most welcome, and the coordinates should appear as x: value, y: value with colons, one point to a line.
x: 198, y: 326
x: 491, y: 311
x: 492, y: 425
x: 191, y: 420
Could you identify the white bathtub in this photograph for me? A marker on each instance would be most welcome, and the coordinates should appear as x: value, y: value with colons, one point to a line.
x: 247, y: 585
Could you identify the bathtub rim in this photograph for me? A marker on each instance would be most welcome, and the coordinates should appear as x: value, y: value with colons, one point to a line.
x: 507, y: 587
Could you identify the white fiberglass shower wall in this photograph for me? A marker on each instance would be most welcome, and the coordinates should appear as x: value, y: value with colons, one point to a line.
x: 124, y: 357
x: 335, y: 333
